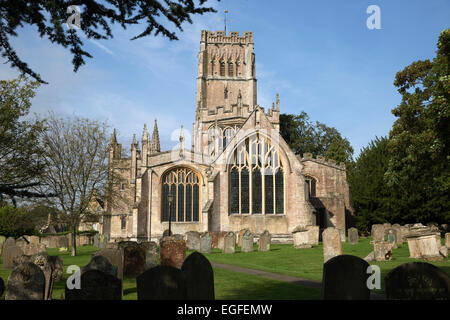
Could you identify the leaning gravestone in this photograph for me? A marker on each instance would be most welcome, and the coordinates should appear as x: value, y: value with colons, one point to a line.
x: 96, y: 285
x: 199, y: 277
x: 353, y: 236
x: 193, y: 240
x: 172, y: 252
x: 264, y: 241
x: 247, y: 241
x: 229, y: 242
x: 115, y: 257
x: 345, y: 278
x: 2, y: 241
x: 26, y: 282
x: 56, y: 263
x: 417, y: 281
x: 10, y: 253
x: 133, y: 260
x: 332, y: 246
x: 301, y: 238
x: 161, y: 283
x: 205, y: 242
x: 102, y: 264
x: 41, y: 260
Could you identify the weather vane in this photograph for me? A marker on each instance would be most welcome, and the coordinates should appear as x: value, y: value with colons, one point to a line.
x: 225, y: 21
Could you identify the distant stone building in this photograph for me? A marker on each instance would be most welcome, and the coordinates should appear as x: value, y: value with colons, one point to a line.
x: 239, y: 172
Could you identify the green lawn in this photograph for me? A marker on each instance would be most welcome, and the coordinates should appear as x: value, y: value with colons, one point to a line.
x: 282, y: 259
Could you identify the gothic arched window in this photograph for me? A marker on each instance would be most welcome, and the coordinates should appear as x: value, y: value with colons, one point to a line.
x: 123, y: 222
x: 184, y: 185
x: 230, y: 69
x: 256, y: 178
x: 222, y: 69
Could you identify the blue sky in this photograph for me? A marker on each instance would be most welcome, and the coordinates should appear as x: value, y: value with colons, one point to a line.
x: 318, y: 55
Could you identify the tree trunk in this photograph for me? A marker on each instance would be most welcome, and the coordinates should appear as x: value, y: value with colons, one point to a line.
x: 74, y: 241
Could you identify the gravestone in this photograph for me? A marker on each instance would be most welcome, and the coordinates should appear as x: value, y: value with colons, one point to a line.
x: 229, y: 243
x: 313, y: 235
x: 2, y: 287
x: 382, y: 250
x: 172, y: 252
x: 239, y: 236
x: 247, y: 241
x: 26, y: 282
x: 10, y: 253
x: 32, y: 248
x: 56, y: 263
x: 96, y: 240
x: 166, y: 233
x: 377, y: 232
x: 96, y: 285
x: 345, y: 278
x: 102, y: 264
x: 205, y: 242
x: 217, y: 239
x: 264, y: 241
x: 301, y: 238
x: 2, y: 242
x: 342, y: 234
x: 443, y: 251
x: 423, y: 246
x: 447, y: 240
x: 417, y: 281
x: 332, y: 246
x: 353, y: 236
x: 392, y: 238
x: 115, y: 257
x: 193, y: 240
x: 133, y: 260
x: 161, y: 283
x: 34, y: 239
x: 41, y: 260
x: 199, y: 277
x: 22, y: 242
x: 9, y: 242
x: 151, y: 256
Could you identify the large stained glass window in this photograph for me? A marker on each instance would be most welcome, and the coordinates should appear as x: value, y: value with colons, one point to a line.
x: 184, y: 185
x: 256, y: 178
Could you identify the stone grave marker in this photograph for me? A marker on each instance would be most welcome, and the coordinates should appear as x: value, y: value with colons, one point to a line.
x: 247, y: 241
x: 345, y: 278
x: 392, y: 238
x: 229, y: 243
x: 96, y: 285
x: 353, y: 236
x: 151, y: 256
x: 205, y: 242
x: 313, y: 235
x: 193, y: 240
x: 172, y: 252
x: 332, y: 246
x: 26, y: 282
x: 133, y: 259
x: 102, y: 264
x: 301, y: 238
x: 161, y: 283
x: 264, y: 241
x: 239, y: 236
x: 377, y: 232
x: 382, y: 250
x: 199, y: 277
x: 115, y: 257
x: 417, y: 281
x: 447, y: 240
x: 2, y: 287
x: 10, y: 253
x: 217, y: 239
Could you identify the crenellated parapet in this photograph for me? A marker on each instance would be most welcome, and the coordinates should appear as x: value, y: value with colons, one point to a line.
x: 322, y: 160
x: 221, y: 37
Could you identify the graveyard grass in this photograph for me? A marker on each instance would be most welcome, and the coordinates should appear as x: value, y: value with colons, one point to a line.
x: 282, y: 259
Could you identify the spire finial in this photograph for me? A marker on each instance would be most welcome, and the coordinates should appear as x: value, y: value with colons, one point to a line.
x: 278, y: 102
x: 181, y: 141
x: 145, y: 136
x: 155, y: 138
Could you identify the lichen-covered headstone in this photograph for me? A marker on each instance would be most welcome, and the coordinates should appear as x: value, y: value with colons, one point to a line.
x: 264, y: 242
x: 382, y: 250
x: 115, y: 257
x: 100, y: 263
x: 193, y: 240
x: 301, y: 238
x: 417, y: 281
x: 205, y: 243
x: 378, y: 232
x: 10, y: 253
x: 172, y: 252
x: 353, y: 236
x: 332, y: 246
x: 199, y: 277
x: 133, y: 260
x: 229, y: 243
x: 161, y: 283
x: 345, y: 278
x: 247, y: 241
x: 26, y: 282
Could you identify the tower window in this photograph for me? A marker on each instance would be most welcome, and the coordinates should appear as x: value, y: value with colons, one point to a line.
x: 222, y: 69
x: 123, y: 223
x: 225, y: 93
x: 230, y: 69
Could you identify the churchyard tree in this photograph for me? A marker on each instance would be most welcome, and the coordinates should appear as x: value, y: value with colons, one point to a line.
x: 306, y: 136
x: 21, y: 163
x: 96, y: 21
x: 76, y: 155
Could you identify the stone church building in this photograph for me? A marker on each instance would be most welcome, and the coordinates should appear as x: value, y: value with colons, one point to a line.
x: 238, y: 173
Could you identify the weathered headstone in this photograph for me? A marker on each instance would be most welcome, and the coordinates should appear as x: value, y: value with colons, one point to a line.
x: 161, y: 283
x: 56, y: 263
x: 447, y: 240
x: 423, y: 246
x: 34, y: 239
x: 417, y: 281
x: 342, y: 235
x: 96, y: 285
x: 26, y: 282
x: 115, y: 257
x: 102, y: 264
x: 391, y: 237
x: 353, y: 236
x: 382, y: 250
x: 172, y: 252
x: 239, y: 236
x: 377, y: 232
x: 199, y: 277
x: 313, y: 235
x: 2, y: 287
x: 264, y: 241
x: 301, y: 238
x: 133, y: 260
x: 10, y: 253
x: 151, y: 256
x: 205, y: 242
x: 217, y: 239
x: 42, y: 261
x: 32, y: 248
x: 2, y: 241
x: 96, y: 240
x: 443, y: 251
x: 332, y: 246
x: 193, y: 240
x: 345, y: 278
x: 247, y: 241
x: 229, y: 242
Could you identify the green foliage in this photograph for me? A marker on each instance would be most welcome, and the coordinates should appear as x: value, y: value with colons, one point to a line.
x: 21, y: 163
x: 305, y: 136
x: 419, y: 146
x: 96, y: 21
x: 15, y: 222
